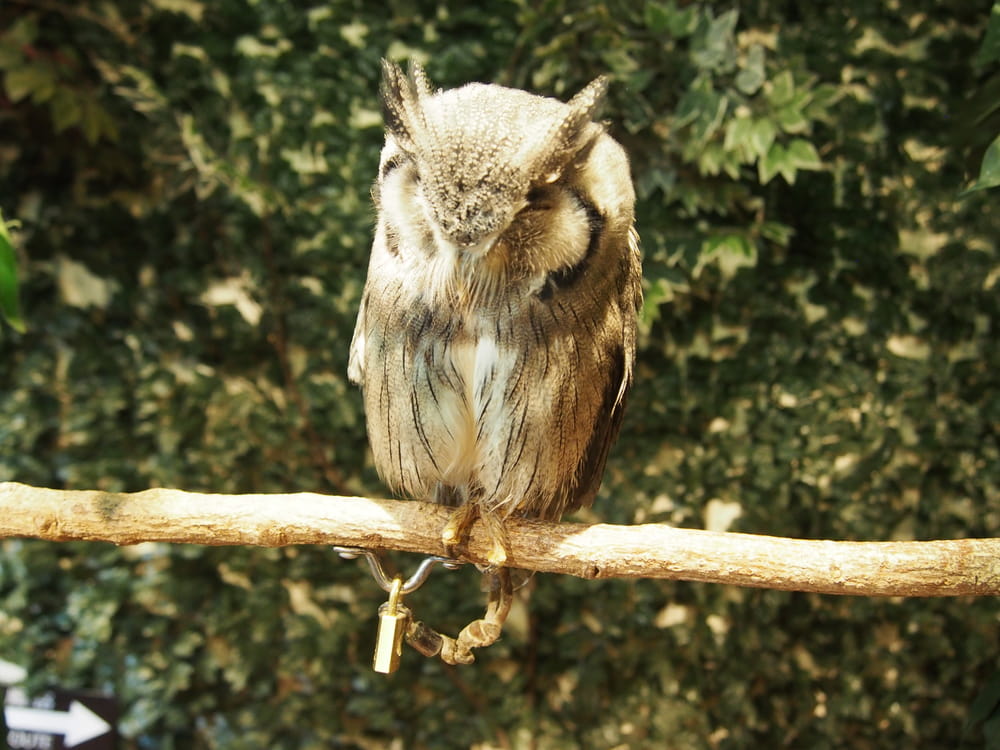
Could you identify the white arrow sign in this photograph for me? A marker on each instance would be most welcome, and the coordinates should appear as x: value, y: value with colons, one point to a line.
x: 77, y: 725
x: 11, y: 674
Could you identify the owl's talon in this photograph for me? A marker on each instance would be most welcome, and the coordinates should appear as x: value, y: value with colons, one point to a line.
x: 455, y: 534
x: 499, y: 541
x: 497, y: 556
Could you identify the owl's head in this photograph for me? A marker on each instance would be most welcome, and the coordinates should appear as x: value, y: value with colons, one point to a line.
x: 479, y: 155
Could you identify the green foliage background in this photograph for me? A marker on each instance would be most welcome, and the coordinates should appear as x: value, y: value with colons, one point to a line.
x: 819, y: 359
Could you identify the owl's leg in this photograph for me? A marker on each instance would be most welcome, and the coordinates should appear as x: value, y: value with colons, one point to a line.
x: 456, y: 532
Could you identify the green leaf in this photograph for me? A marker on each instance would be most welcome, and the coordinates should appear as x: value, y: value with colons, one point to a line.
x: 787, y: 160
x: 821, y: 98
x: 656, y: 294
x: 762, y: 136
x: 717, y: 50
x: 22, y: 32
x: 714, y: 159
x: 65, y: 109
x: 751, y: 78
x: 10, y: 307
x: 10, y: 56
x: 739, y: 133
x: 666, y: 18
x: 989, y: 172
x: 704, y: 108
x: 730, y: 252
x: 776, y: 232
x: 803, y: 155
x: 30, y: 80
x: 782, y: 89
x: 990, y: 51
x: 657, y: 17
x: 791, y: 119
x: 95, y: 121
x: 986, y: 704
x: 991, y: 733
x: 774, y: 162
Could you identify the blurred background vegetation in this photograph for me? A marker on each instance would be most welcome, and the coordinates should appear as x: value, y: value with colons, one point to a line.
x: 187, y: 185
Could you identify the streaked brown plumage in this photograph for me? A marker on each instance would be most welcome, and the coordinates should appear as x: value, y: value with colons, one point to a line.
x: 496, y: 335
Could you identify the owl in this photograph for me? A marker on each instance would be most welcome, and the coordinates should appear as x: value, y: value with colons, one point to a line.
x: 495, y: 339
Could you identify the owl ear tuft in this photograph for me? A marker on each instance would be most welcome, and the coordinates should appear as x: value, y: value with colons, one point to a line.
x: 571, y: 134
x: 582, y: 109
x: 400, y: 95
x: 589, y: 100
x: 419, y: 80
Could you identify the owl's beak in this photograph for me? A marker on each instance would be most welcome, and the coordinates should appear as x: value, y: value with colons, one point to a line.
x: 482, y: 248
x: 475, y: 249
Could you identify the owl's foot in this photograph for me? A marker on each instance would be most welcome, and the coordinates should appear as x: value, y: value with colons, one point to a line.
x: 477, y: 634
x: 499, y: 541
x: 455, y: 534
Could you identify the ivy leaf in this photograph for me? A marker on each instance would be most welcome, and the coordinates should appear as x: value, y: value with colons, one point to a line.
x: 10, y: 307
x: 30, y: 80
x: 21, y: 33
x: 657, y: 17
x: 788, y: 160
x: 762, y: 136
x: 791, y: 119
x: 775, y: 161
x: 680, y: 22
x: 730, y: 252
x: 739, y: 132
x: 751, y: 78
x: 782, y: 89
x: 985, y: 708
x: 718, y: 42
x: 989, y: 172
x: 704, y: 108
x: 803, y: 155
x: 990, y: 51
x: 65, y: 110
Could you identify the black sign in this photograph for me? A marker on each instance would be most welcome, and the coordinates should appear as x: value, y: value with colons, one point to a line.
x: 60, y: 720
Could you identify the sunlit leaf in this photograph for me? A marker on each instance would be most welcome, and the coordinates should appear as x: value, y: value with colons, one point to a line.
x: 10, y: 306
x: 773, y: 163
x: 802, y: 154
x: 782, y: 88
x: 762, y: 136
x: 989, y: 172
x: 751, y: 77
x: 791, y: 119
x: 28, y: 80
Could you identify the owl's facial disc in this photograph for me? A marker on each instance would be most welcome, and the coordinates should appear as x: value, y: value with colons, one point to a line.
x: 472, y: 218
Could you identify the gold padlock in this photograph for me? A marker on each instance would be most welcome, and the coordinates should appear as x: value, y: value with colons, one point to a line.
x: 392, y: 619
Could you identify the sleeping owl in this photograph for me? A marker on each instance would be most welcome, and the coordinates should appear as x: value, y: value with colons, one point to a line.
x: 495, y: 339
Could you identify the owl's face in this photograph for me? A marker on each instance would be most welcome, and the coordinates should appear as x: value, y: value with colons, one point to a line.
x: 481, y: 172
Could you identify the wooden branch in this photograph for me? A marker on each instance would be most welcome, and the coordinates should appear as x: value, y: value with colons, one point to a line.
x: 936, y: 568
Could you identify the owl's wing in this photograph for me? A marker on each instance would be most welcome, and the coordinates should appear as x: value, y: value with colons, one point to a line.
x: 356, y: 361
x: 616, y: 387
x: 591, y: 469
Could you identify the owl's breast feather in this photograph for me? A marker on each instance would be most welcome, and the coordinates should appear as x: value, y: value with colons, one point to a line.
x: 469, y: 412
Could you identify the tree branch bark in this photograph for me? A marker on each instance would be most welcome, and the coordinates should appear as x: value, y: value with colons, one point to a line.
x: 934, y: 568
